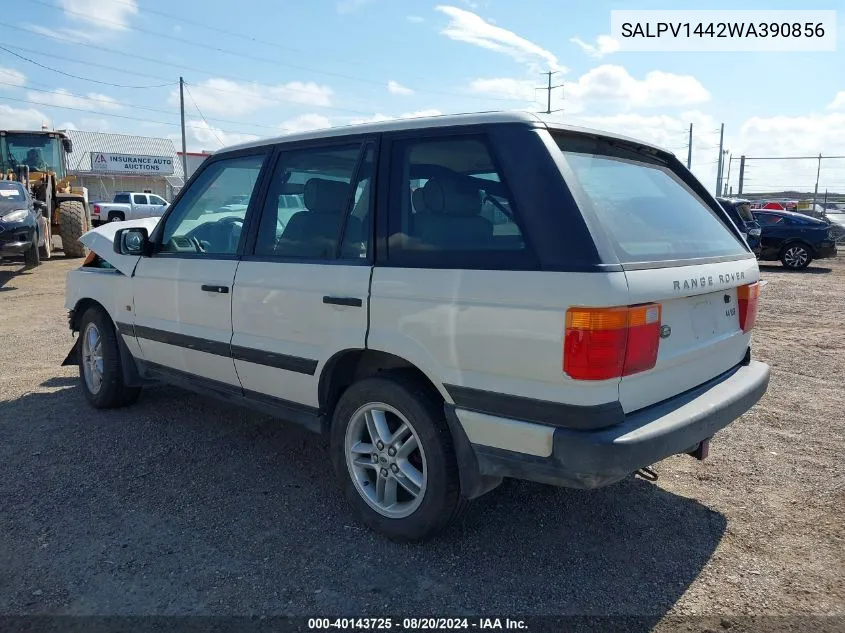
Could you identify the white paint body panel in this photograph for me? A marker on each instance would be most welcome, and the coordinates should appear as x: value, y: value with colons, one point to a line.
x: 705, y: 340
x: 101, y: 241
x: 169, y: 297
x: 110, y: 289
x: 278, y: 307
x: 511, y: 435
x: 499, y: 331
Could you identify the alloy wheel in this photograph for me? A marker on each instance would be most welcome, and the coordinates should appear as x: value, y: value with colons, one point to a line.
x: 386, y: 460
x: 92, y: 358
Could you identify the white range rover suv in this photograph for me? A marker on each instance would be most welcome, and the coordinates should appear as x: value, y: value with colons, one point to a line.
x: 450, y: 301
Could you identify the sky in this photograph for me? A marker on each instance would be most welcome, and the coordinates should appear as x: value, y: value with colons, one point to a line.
x: 259, y: 68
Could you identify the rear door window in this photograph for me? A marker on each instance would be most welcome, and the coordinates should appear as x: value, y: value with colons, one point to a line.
x: 139, y: 198
x: 121, y: 198
x: 450, y: 207
x: 647, y: 211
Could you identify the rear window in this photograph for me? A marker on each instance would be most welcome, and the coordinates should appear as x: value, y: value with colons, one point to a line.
x: 648, y: 212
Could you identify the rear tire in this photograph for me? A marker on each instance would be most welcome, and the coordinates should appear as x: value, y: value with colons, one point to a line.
x: 367, y: 472
x: 796, y: 256
x: 99, y: 363
x: 73, y: 223
x: 116, y: 216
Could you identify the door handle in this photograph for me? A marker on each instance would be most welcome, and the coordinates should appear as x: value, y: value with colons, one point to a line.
x: 218, y: 289
x: 344, y: 301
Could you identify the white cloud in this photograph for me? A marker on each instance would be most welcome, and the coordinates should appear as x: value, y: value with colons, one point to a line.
x: 615, y: 83
x: 394, y: 87
x: 304, y: 123
x: 11, y: 76
x: 112, y: 15
x: 63, y: 98
x: 416, y: 19
x: 604, y: 46
x: 222, y: 96
x: 22, y: 119
x: 378, y: 118
x: 465, y: 26
x: 838, y: 102
x: 200, y: 135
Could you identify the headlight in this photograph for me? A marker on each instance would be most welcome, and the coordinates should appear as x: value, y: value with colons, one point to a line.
x: 754, y: 232
x: 15, y: 216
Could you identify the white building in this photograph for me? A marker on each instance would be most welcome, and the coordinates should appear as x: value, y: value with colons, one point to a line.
x: 108, y: 163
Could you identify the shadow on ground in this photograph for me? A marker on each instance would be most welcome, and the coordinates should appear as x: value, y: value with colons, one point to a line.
x: 179, y: 505
x: 810, y: 270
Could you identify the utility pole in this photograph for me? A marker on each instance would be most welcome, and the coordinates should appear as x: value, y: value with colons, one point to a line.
x: 689, y: 148
x: 728, y: 179
x: 548, y: 90
x: 721, y: 159
x: 741, y: 173
x: 182, y: 113
x: 818, y: 173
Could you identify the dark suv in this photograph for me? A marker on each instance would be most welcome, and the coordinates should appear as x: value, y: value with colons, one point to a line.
x: 739, y: 211
x: 794, y: 239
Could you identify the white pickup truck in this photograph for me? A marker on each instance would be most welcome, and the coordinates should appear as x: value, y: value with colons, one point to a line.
x: 128, y: 206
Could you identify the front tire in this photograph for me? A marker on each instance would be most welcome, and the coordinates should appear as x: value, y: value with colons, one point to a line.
x: 796, y: 256
x: 73, y: 223
x: 31, y: 256
x: 394, y: 458
x: 46, y: 251
x: 99, y: 363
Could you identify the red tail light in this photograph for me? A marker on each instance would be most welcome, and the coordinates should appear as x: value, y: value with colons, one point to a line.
x: 96, y: 209
x: 747, y: 297
x: 603, y: 343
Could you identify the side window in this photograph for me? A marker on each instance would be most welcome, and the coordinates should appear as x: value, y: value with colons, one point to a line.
x: 139, y: 198
x: 121, y: 198
x: 449, y: 205
x: 210, y: 216
x: 307, y: 204
x: 157, y: 200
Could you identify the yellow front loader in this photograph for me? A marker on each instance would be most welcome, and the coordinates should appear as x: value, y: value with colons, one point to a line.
x: 38, y: 160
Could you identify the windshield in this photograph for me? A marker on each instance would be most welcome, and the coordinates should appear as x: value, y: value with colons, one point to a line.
x: 39, y: 152
x: 647, y: 210
x: 11, y: 192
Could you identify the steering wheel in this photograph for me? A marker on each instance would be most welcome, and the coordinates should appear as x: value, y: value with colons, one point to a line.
x: 498, y: 205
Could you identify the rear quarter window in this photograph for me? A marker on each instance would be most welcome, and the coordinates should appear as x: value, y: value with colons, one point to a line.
x: 646, y: 209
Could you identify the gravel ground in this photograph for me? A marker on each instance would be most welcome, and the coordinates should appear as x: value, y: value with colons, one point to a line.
x: 183, y: 506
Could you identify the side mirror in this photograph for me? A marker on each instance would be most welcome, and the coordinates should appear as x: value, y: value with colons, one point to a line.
x: 133, y: 241
x: 41, y: 206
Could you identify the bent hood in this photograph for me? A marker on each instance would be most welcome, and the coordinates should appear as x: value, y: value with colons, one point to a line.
x: 101, y: 241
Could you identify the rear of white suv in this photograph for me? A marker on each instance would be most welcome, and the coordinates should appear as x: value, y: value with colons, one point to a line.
x: 544, y: 303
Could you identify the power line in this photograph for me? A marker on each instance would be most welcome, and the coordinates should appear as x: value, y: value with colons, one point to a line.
x: 97, y: 81
x: 201, y: 114
x: 222, y: 90
x: 131, y: 105
x: 345, y: 60
x: 113, y: 115
x: 274, y: 62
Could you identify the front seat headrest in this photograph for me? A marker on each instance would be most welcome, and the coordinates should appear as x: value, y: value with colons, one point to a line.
x: 326, y: 196
x: 446, y: 196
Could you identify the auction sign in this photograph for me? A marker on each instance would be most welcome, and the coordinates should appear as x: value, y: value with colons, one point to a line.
x: 131, y: 164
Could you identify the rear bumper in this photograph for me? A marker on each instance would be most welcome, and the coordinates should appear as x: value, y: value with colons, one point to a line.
x: 591, y: 459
